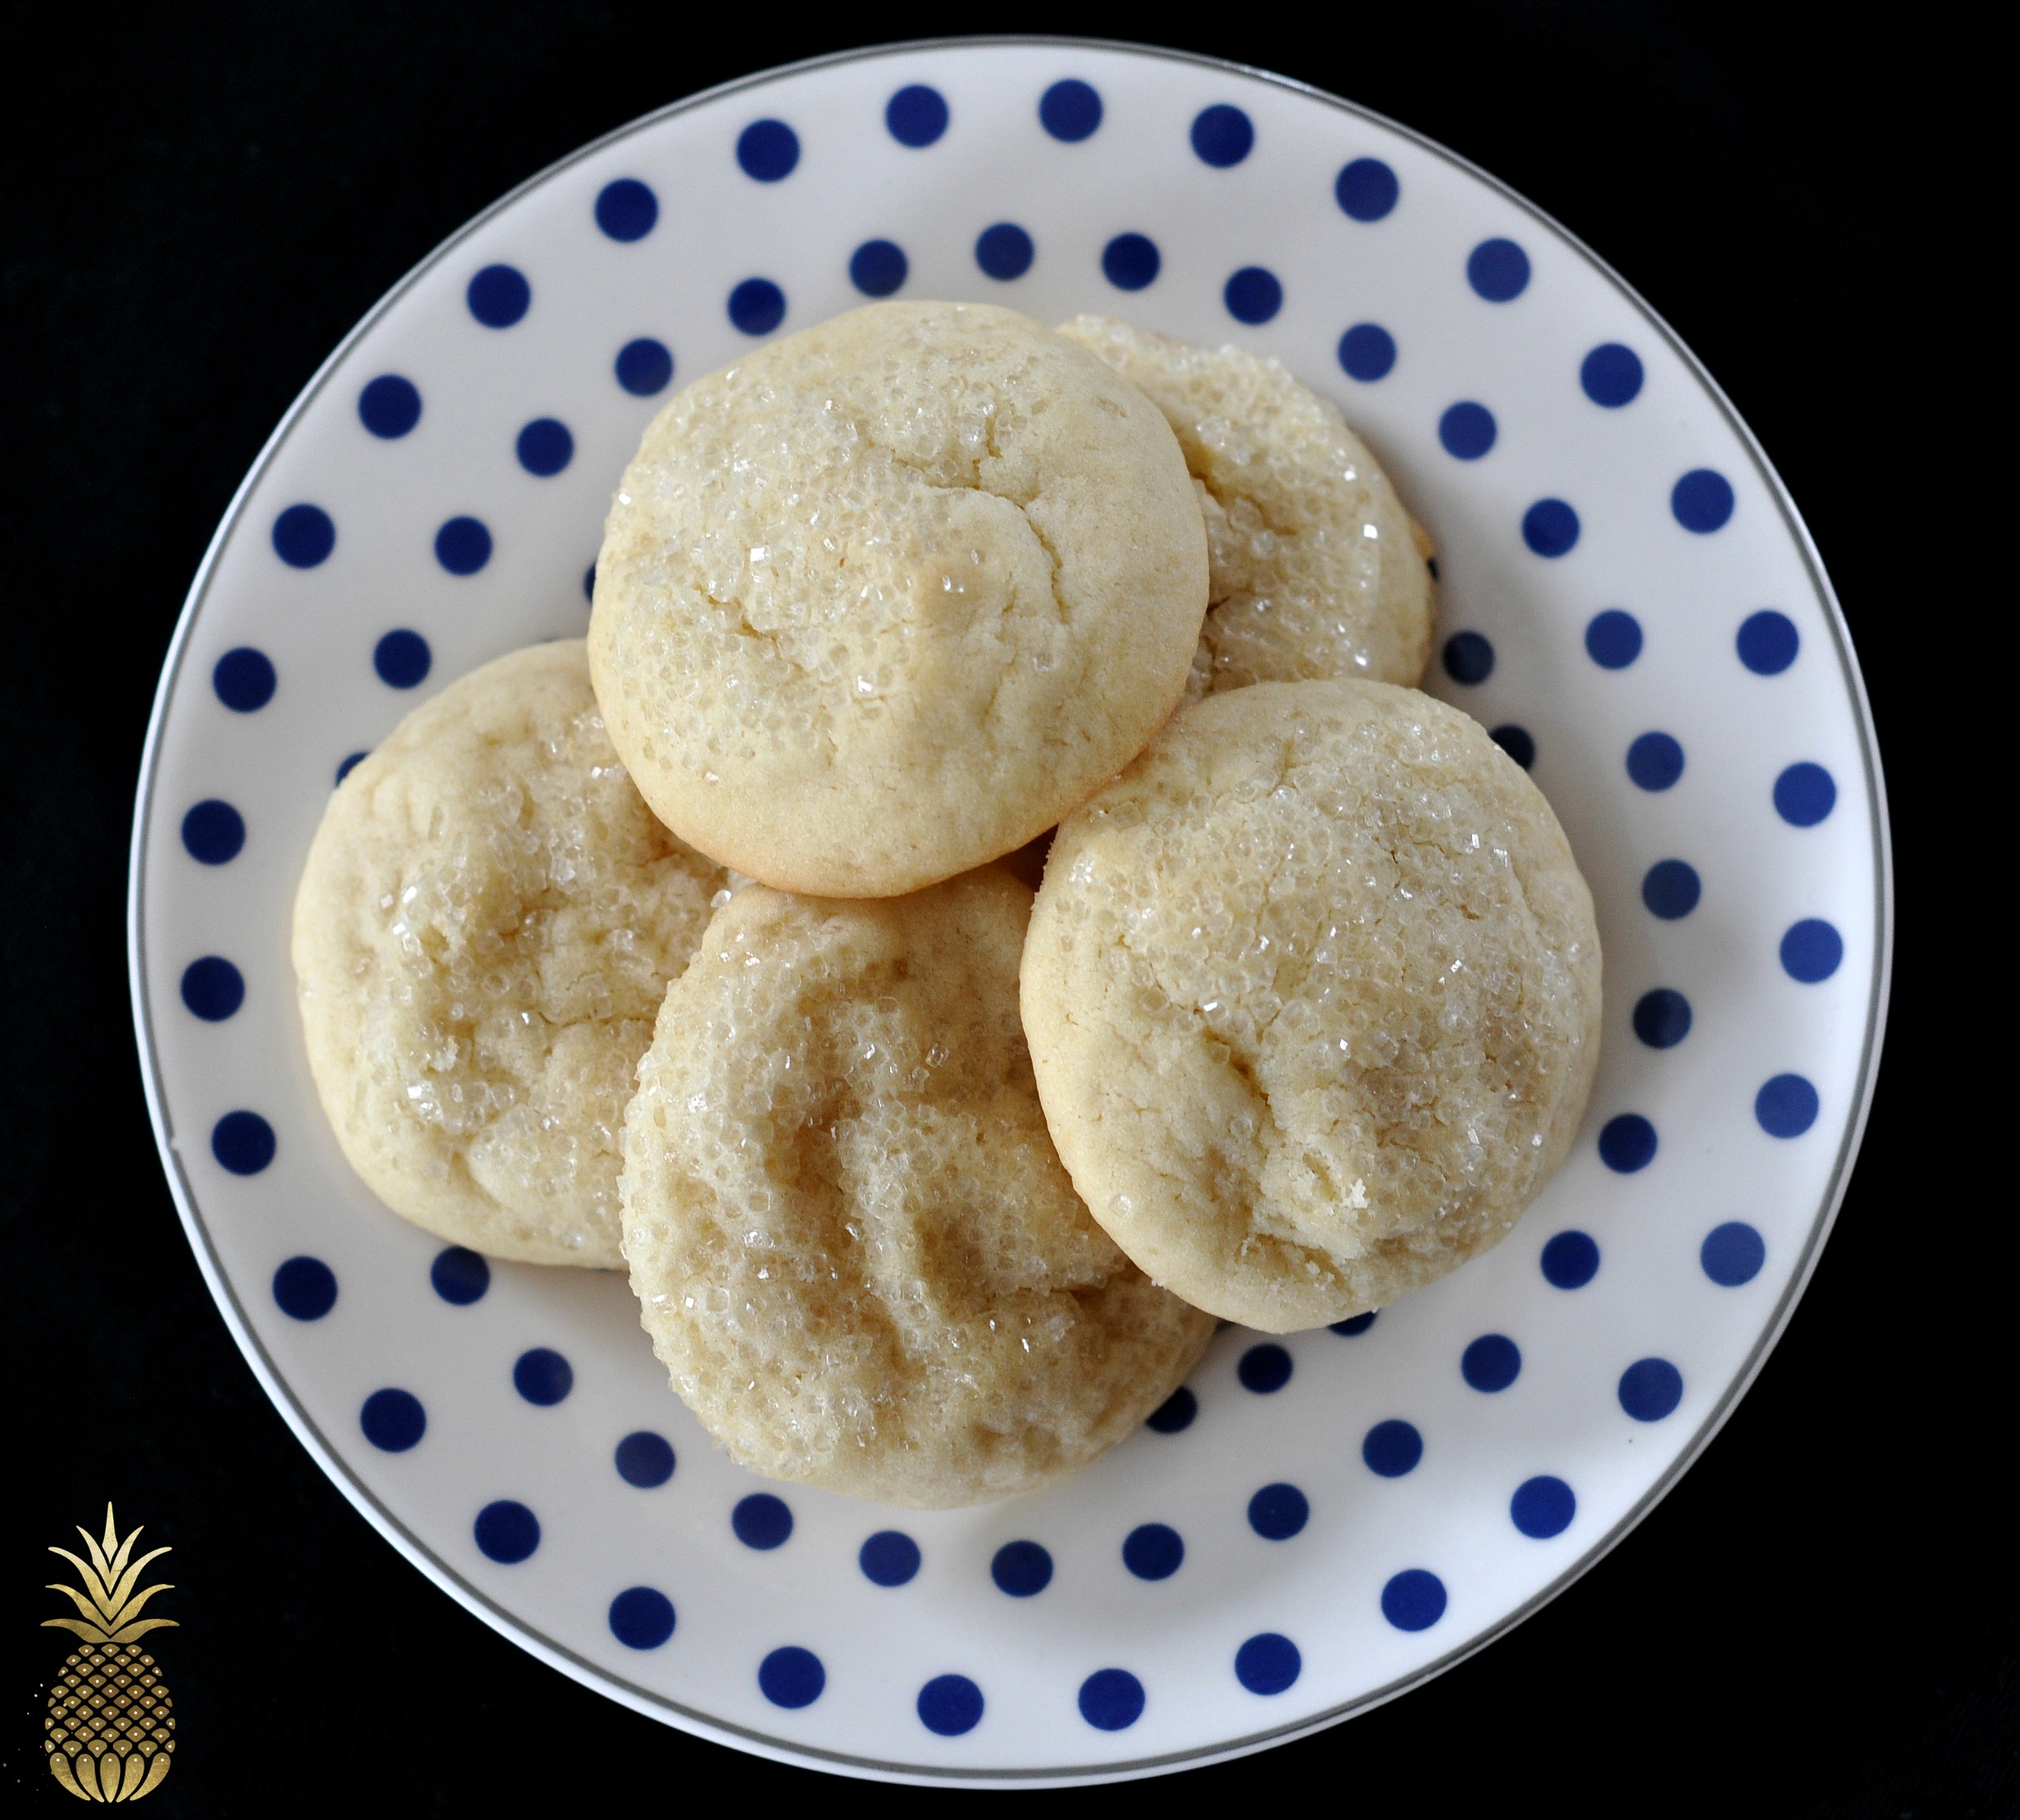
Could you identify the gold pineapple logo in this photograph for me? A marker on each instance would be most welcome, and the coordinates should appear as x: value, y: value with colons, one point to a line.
x: 110, y: 1729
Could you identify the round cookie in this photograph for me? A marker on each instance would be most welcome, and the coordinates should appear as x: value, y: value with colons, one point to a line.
x: 886, y: 599
x: 852, y: 1241
x: 483, y: 934
x: 1312, y: 992
x: 1317, y: 571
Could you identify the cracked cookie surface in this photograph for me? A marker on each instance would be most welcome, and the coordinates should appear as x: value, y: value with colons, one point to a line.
x: 852, y: 1241
x: 1317, y: 570
x: 884, y: 599
x: 1312, y: 992
x: 483, y: 934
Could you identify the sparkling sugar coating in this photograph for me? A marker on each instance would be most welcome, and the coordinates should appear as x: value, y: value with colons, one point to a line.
x: 1316, y: 570
x: 886, y: 599
x: 1312, y: 992
x: 484, y: 931
x: 852, y: 1241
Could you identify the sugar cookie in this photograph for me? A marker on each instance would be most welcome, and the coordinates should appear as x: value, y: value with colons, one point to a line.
x: 1317, y: 571
x: 886, y: 599
x: 1312, y: 992
x: 853, y: 1244
x: 484, y: 932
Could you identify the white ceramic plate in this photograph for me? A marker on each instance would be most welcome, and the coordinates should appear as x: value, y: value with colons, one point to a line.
x: 1632, y: 593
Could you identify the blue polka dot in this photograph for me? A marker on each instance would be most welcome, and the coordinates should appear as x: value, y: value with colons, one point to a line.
x: 889, y: 1558
x: 243, y: 1143
x: 627, y: 209
x: 304, y: 1289
x: 1613, y: 638
x: 1130, y: 261
x: 760, y: 1520
x: 1611, y: 375
x: 460, y: 1275
x: 1570, y: 1260
x: 1811, y: 951
x: 1154, y: 1551
x: 1786, y: 1105
x: 1517, y: 742
x: 1267, y: 1664
x: 877, y: 268
x: 1670, y: 889
x: 1004, y: 251
x: 389, y: 405
x: 1650, y: 1388
x: 1732, y: 1254
x: 545, y: 447
x: 1367, y: 189
x: 350, y: 763
x: 1111, y: 1700
x: 392, y: 1420
x: 641, y: 1617
x: 1469, y: 658
x: 541, y: 1375
x: 1543, y: 1507
x: 1492, y: 1362
x: 645, y: 367
x: 1661, y: 1017
x: 1367, y: 352
x: 499, y: 296
x: 917, y: 115
x: 644, y: 1459
x: 1414, y: 1599
x: 1021, y: 1569
x: 1175, y: 1413
x: 402, y: 658
x: 507, y: 1531
x: 1701, y: 501
x: 1355, y: 1324
x: 757, y: 306
x: 1070, y: 111
x: 1278, y: 1512
x: 213, y: 989
x: 303, y: 536
x: 1498, y: 271
x: 1655, y: 760
x: 1392, y: 1448
x: 1467, y: 430
x: 1264, y: 1369
x: 589, y: 583
x: 1803, y: 795
x: 462, y: 545
x: 1253, y: 295
x: 1550, y: 527
x: 792, y: 1677
x: 1223, y: 136
x: 1767, y: 642
x: 768, y: 150
x: 949, y: 1704
x: 1627, y: 1143
x: 243, y: 679
x: 213, y: 833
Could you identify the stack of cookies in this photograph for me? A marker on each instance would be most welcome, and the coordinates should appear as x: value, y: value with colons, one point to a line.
x: 710, y: 949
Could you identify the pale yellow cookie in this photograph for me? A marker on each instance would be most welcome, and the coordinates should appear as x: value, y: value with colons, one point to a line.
x: 1317, y: 570
x: 1312, y: 992
x: 853, y: 1244
x: 885, y: 599
x: 484, y: 932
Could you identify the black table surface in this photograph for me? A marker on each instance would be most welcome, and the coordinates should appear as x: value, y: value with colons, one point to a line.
x: 199, y: 200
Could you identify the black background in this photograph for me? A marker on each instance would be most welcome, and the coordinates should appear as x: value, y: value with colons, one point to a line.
x: 200, y: 200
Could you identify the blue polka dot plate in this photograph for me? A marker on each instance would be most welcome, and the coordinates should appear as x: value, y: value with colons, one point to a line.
x: 1316, y: 1523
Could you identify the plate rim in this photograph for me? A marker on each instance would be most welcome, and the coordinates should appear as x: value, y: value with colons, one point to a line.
x: 600, y: 1680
